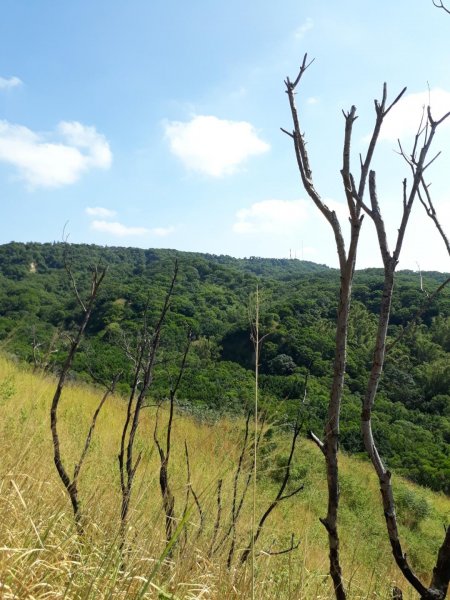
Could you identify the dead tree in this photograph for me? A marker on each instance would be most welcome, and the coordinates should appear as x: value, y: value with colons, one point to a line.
x: 71, y: 482
x: 357, y: 206
x: 143, y: 359
x: 168, y: 498
x: 418, y: 162
x: 354, y: 194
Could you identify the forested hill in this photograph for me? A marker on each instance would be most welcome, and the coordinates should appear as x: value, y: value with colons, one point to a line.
x: 212, y: 297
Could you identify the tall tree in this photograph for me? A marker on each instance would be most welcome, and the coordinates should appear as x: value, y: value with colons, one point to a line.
x: 355, y: 193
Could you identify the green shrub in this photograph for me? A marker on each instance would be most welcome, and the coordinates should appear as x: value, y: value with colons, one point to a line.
x: 278, y: 470
x: 7, y: 389
x: 412, y: 507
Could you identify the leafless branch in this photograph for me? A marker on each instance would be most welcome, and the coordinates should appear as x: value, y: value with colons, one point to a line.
x: 304, y: 165
x: 109, y: 390
x: 287, y: 550
x: 439, y: 4
x: 312, y: 436
x: 431, y: 212
x: 280, y: 494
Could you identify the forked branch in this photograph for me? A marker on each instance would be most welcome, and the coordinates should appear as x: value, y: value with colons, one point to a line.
x: 440, y: 4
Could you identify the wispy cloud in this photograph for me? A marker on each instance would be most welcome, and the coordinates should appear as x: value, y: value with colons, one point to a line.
x: 162, y: 231
x: 9, y: 83
x: 306, y: 26
x: 214, y: 146
x: 312, y: 100
x: 271, y: 216
x: 403, y: 120
x: 99, y: 211
x: 52, y: 164
x: 118, y: 229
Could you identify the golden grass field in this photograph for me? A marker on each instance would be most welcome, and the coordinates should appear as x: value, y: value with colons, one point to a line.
x: 41, y: 556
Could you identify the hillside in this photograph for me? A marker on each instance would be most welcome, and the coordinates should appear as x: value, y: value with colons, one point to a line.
x: 299, y: 298
x: 42, y: 558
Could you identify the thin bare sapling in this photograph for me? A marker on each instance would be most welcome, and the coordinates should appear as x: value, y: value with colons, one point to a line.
x: 143, y: 358
x: 70, y: 481
x: 164, y: 450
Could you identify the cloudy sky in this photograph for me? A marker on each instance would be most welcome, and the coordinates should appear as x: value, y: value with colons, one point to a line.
x: 156, y: 123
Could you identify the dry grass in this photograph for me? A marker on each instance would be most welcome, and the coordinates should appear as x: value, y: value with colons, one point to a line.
x: 42, y: 558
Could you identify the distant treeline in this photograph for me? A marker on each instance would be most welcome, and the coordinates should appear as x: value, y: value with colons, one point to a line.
x: 38, y: 308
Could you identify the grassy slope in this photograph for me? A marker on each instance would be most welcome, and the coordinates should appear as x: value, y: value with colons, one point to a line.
x: 40, y: 556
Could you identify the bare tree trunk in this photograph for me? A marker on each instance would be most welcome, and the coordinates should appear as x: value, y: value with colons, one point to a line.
x: 331, y: 443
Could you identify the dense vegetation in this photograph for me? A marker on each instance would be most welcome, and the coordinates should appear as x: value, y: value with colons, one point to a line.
x: 412, y: 418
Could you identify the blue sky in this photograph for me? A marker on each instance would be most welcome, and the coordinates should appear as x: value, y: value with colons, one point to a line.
x: 157, y: 124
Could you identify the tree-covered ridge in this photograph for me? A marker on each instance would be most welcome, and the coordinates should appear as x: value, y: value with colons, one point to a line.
x: 412, y: 417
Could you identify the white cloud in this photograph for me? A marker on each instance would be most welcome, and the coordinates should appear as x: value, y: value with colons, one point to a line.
x: 117, y: 229
x: 312, y: 100
x: 271, y: 216
x: 42, y: 163
x: 163, y: 231
x: 404, y: 118
x: 306, y: 26
x: 98, y: 211
x: 9, y: 83
x: 214, y: 146
x: 340, y: 208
